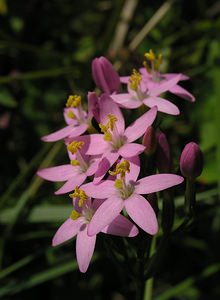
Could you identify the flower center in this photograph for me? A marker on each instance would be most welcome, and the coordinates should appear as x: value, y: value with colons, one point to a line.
x: 152, y: 64
x: 111, y: 133
x: 125, y: 190
x: 74, y: 101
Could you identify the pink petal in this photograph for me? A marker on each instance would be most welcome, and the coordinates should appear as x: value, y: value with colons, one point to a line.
x: 85, y: 246
x: 59, y: 134
x: 124, y: 79
x: 58, y: 173
x: 165, y: 86
x: 162, y: 105
x: 142, y: 213
x: 93, y: 106
x: 67, y: 231
x: 121, y: 226
x: 107, y: 106
x: 70, y: 185
x: 172, y: 75
x: 91, y: 141
x: 126, y: 100
x: 156, y: 183
x: 102, y: 190
x: 105, y: 214
x: 183, y: 93
x: 105, y: 164
x: 93, y: 166
x: 80, y: 129
x: 129, y: 150
x: 138, y: 128
x: 70, y: 121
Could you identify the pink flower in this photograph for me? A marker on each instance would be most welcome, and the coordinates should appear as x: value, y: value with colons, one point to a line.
x: 76, y: 118
x: 126, y: 193
x: 116, y: 140
x: 139, y: 93
x: 81, y: 166
x: 77, y: 225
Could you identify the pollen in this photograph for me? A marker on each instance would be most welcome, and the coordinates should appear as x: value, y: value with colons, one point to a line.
x: 74, y: 146
x: 78, y: 193
x: 74, y: 162
x: 75, y: 215
x: 121, y: 168
x: 112, y: 120
x: 73, y: 101
x: 135, y: 80
x: 153, y: 61
x: 150, y: 55
x: 71, y: 115
x: 118, y: 184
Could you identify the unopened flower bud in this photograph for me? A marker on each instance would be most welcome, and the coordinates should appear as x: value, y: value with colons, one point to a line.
x: 191, y: 160
x: 105, y: 76
x: 149, y: 141
x: 163, y: 155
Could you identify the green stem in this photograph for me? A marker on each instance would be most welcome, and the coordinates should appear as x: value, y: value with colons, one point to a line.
x: 190, y: 197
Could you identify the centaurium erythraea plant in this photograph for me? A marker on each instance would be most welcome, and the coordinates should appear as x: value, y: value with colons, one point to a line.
x: 104, y: 166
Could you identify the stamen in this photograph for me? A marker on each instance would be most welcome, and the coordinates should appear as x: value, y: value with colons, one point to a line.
x: 74, y: 146
x: 78, y: 193
x: 71, y: 115
x: 74, y: 162
x: 75, y: 215
x: 73, y: 101
x: 150, y: 55
x: 118, y: 184
x: 112, y: 120
x: 121, y: 169
x: 135, y: 80
x: 153, y: 61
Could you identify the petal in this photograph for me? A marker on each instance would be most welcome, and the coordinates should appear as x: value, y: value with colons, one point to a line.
x: 67, y: 231
x: 93, y: 166
x: 102, y: 190
x: 141, y: 212
x: 58, y: 173
x: 121, y: 226
x: 183, y: 93
x: 80, y: 129
x: 69, y: 121
x: 129, y: 150
x: 85, y: 246
x: 105, y: 164
x: 165, y: 86
x: 107, y: 106
x: 126, y: 100
x: 138, y: 128
x: 91, y: 141
x: 156, y: 183
x: 163, y: 105
x: 105, y: 214
x: 70, y: 185
x: 59, y: 134
x: 172, y: 75
x: 124, y: 79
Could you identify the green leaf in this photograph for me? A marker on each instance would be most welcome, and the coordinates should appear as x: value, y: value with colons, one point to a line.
x: 6, y: 99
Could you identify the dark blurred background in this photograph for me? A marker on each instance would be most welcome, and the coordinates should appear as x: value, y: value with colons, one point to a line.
x: 46, y: 49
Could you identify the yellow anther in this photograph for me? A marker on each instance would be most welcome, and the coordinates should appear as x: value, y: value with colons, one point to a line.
x: 71, y: 115
x: 73, y: 101
x: 74, y: 162
x: 150, y: 55
x: 118, y: 184
x: 112, y: 120
x: 135, y: 80
x: 107, y: 137
x: 74, y: 146
x: 75, y: 215
x: 121, y: 169
x: 153, y: 61
x: 104, y: 128
x: 78, y: 193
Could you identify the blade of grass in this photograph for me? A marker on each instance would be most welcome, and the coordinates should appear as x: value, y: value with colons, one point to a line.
x: 160, y: 13
x: 185, y: 284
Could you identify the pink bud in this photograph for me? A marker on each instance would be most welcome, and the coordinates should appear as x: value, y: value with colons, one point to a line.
x: 105, y: 76
x: 191, y: 160
x: 163, y: 155
x: 149, y: 141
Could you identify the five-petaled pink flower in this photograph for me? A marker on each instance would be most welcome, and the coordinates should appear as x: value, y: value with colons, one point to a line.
x: 77, y: 224
x: 126, y: 192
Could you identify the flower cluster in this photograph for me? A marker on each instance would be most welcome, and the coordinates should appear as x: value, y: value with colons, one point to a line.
x: 104, y: 162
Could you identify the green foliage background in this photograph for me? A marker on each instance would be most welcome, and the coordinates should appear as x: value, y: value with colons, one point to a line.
x: 46, y: 48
